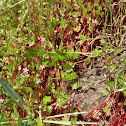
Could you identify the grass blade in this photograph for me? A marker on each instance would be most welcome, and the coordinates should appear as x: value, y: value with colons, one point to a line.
x: 61, y: 115
x: 13, y: 94
x: 68, y: 123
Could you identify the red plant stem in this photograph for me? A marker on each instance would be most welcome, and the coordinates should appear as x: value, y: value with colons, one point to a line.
x: 123, y: 119
x: 116, y: 114
x: 101, y: 117
x: 105, y: 101
x: 56, y: 84
x: 118, y: 108
x: 105, y: 105
x: 102, y: 107
x: 70, y: 95
x: 37, y: 92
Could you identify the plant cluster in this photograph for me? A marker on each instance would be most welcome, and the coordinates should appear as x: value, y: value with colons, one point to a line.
x: 45, y: 43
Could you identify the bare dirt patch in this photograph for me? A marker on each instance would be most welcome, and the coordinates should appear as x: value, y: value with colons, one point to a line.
x: 92, y: 84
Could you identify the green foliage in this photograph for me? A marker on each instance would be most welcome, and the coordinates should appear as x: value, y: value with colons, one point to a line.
x: 107, y: 110
x: 75, y: 86
x: 24, y: 23
x: 14, y: 95
x: 111, y: 85
x: 71, y: 76
x: 39, y: 122
x: 96, y: 53
x: 64, y: 23
x: 46, y: 99
x: 61, y: 55
x: 105, y: 93
x: 84, y: 38
x: 73, y: 121
x: 33, y: 52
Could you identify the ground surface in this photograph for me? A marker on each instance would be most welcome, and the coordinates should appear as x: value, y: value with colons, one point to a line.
x: 92, y: 84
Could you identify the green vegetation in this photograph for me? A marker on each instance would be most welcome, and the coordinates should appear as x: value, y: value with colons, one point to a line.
x: 40, y: 43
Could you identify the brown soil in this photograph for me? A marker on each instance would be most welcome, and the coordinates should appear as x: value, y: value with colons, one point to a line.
x: 92, y: 84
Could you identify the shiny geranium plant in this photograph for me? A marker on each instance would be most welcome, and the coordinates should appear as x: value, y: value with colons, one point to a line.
x: 25, y: 70
x: 1, y: 100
